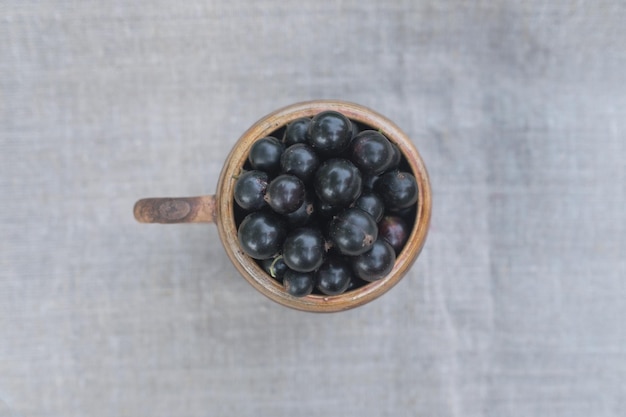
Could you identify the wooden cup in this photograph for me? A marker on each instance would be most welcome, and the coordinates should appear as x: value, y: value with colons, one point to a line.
x: 219, y: 208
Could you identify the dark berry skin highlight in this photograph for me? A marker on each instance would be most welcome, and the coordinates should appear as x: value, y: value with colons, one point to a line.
x: 330, y: 132
x: 304, y: 213
x: 304, y: 249
x: 338, y: 182
x: 297, y: 131
x: 285, y: 194
x: 371, y: 203
x: 275, y: 267
x: 265, y: 154
x: 353, y: 231
x: 334, y: 276
x: 299, y: 284
x: 398, y: 189
x: 250, y: 190
x: 371, y: 151
x: 394, y: 231
x: 261, y: 234
x: 375, y: 263
x: 299, y: 160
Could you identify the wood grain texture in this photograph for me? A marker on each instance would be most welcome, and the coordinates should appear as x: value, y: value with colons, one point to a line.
x: 175, y: 210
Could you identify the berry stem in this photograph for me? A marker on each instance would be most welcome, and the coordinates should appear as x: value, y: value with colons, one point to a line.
x: 272, y: 266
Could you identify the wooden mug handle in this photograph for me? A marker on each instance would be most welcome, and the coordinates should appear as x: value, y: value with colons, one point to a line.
x: 176, y: 210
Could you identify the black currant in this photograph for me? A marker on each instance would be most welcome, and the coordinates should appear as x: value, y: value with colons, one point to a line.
x: 397, y: 157
x: 371, y: 203
x: 285, y: 193
x: 299, y: 160
x: 369, y: 180
x: 355, y: 128
x: 394, y: 231
x: 338, y: 182
x: 261, y: 234
x: 371, y: 151
x: 250, y: 190
x: 304, y: 249
x: 375, y: 263
x: 265, y: 154
x: 397, y: 189
x: 333, y: 277
x: 353, y: 231
x: 275, y: 267
x: 299, y: 284
x: 356, y: 283
x: 330, y: 132
x: 297, y: 131
x: 407, y: 214
x: 303, y: 214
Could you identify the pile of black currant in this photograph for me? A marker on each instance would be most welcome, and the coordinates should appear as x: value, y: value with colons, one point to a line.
x: 328, y: 208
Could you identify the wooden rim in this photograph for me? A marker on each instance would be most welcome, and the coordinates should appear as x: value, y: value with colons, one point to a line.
x: 248, y: 267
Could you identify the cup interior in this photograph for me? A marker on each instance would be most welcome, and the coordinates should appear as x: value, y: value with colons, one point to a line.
x: 250, y: 269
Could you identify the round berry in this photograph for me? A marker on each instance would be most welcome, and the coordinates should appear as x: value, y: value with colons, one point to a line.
x: 265, y: 154
x: 371, y: 151
x: 261, y: 234
x: 369, y: 180
x: 297, y: 131
x: 338, y: 182
x: 355, y: 129
x: 397, y: 157
x: 250, y: 190
x: 299, y: 284
x: 285, y: 194
x: 333, y: 277
x: 303, y: 214
x: 375, y: 263
x: 275, y: 267
x: 330, y: 132
x: 407, y: 213
x: 372, y: 204
x: 394, y: 231
x: 303, y: 249
x: 356, y: 283
x: 397, y: 189
x: 353, y: 231
x: 299, y: 160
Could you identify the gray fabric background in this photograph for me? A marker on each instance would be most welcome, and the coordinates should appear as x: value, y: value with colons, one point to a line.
x: 516, y: 306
